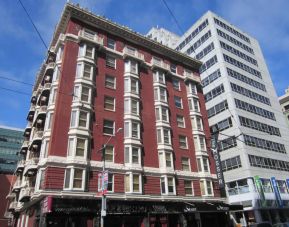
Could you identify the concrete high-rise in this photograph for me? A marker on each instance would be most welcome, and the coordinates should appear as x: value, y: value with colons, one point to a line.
x: 241, y: 100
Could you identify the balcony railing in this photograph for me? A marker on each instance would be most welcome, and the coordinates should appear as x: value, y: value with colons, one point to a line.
x: 190, y: 76
x: 91, y: 36
x: 20, y: 166
x: 17, y: 186
x: 12, y: 206
x: 155, y: 62
x: 31, y: 166
x: 131, y: 52
x: 25, y: 194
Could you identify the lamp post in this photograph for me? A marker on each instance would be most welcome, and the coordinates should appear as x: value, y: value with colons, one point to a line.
x: 103, y: 197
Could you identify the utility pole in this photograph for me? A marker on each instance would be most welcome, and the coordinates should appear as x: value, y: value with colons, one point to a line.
x: 103, y: 175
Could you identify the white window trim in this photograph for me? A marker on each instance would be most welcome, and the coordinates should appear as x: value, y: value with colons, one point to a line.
x: 106, y: 61
x: 71, y: 151
x: 128, y: 82
x: 80, y: 71
x: 163, y: 161
x: 38, y: 178
x: 114, y: 82
x: 130, y: 162
x: 165, y: 177
x: 179, y: 84
x: 77, y: 119
x: 128, y: 67
x: 156, y: 77
x: 104, y: 101
x: 131, y: 183
x: 181, y: 100
x: 53, y: 96
x: 189, y: 162
x: 59, y: 53
x: 77, y: 95
x: 206, y: 187
x: 186, y: 140
x: 162, y: 139
x: 113, y: 127
x: 183, y: 121
x: 129, y: 133
x: 110, y: 145
x: 56, y: 74
x: 192, y: 185
x: 48, y: 121
x: 198, y: 145
x: 82, y: 51
x: 159, y: 113
x: 72, y: 169
x: 114, y: 43
x: 201, y: 158
x: 43, y: 153
x: 157, y: 94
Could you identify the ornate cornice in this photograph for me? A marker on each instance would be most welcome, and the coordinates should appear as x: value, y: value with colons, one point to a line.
x: 72, y: 11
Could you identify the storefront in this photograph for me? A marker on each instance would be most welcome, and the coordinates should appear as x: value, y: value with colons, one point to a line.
x: 56, y: 212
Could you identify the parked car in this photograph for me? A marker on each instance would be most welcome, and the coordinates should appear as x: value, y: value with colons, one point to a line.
x: 263, y: 224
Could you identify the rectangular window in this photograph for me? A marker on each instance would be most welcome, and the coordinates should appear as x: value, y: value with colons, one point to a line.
x: 110, y: 43
x: 196, y: 105
x: 183, y: 142
x: 202, y: 143
x: 136, y: 186
x: 163, y: 185
x: 85, y: 94
x: 171, y: 186
x: 108, y: 127
x: 109, y: 103
x: 134, y: 130
x: 134, y: 86
x: 163, y: 94
x: 178, y: 102
x: 110, y: 61
x: 110, y: 81
x: 173, y: 68
x: 205, y: 164
x: 134, y: 106
x: 180, y: 121
x: 78, y: 178
x: 188, y: 187
x: 80, y: 147
x: 166, y: 136
x: 176, y: 84
x: 67, y: 178
x: 87, y: 71
x: 110, y: 183
x: 199, y: 123
x: 109, y: 153
x: 185, y: 164
x: 127, y: 183
x: 73, y: 118
x: 159, y: 77
x: 135, y: 155
x: 82, y: 119
x: 168, y: 159
x: 89, y: 51
x: 199, y: 163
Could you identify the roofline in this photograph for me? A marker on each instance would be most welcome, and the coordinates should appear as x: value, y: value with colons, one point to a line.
x: 73, y: 11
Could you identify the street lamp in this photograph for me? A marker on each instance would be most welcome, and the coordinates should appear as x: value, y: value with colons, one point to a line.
x: 103, y: 197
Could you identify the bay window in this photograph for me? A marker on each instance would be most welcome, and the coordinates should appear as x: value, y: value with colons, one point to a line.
x: 132, y: 155
x: 133, y: 183
x: 167, y: 185
x: 74, y: 178
x: 206, y: 187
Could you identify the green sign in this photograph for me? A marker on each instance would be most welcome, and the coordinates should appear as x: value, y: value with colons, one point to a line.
x: 260, y: 190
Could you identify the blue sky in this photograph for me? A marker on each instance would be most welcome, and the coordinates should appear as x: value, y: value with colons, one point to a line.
x: 21, y: 51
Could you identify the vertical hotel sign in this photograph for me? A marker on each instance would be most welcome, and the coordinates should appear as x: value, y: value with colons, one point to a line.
x: 216, y: 156
x: 276, y: 191
x: 260, y: 190
x: 47, y: 204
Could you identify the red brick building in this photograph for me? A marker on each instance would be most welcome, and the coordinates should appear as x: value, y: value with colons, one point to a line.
x: 103, y: 84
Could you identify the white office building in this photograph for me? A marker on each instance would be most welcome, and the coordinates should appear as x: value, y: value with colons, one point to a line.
x: 242, y: 102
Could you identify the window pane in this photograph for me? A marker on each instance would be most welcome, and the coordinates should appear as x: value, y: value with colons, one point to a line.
x: 168, y: 160
x: 127, y: 183
x: 135, y: 155
x: 89, y: 51
x: 136, y: 186
x: 110, y: 81
x: 77, y: 180
x: 126, y: 155
x: 202, y: 185
x: 82, y: 119
x: 87, y: 71
x: 188, y: 187
x: 80, y: 146
x: 170, y: 185
x: 108, y: 127
x: 67, y: 178
x: 73, y: 118
x: 85, y: 94
x: 110, y: 43
x: 109, y: 103
x: 163, y: 185
x: 109, y: 153
x: 110, y: 182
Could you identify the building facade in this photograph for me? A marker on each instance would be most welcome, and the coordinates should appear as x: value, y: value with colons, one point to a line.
x: 241, y: 101
x: 10, y: 142
x: 106, y: 88
x: 284, y: 102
